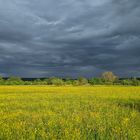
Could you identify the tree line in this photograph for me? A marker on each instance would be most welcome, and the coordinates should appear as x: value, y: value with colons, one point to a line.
x: 106, y: 78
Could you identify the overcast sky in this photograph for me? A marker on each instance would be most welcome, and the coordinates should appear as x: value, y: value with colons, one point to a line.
x: 42, y: 38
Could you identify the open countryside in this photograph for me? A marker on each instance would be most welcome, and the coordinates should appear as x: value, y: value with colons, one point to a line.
x: 69, y: 113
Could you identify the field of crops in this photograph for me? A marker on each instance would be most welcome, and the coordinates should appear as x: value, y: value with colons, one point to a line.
x: 69, y: 113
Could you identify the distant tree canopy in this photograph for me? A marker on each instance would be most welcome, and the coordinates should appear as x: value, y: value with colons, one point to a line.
x: 82, y: 81
x: 55, y: 81
x: 14, y: 81
x: 1, y: 80
x: 109, y: 76
x: 105, y: 79
x: 96, y: 81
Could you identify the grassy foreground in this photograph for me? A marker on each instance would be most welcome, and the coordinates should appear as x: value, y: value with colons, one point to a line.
x: 69, y: 113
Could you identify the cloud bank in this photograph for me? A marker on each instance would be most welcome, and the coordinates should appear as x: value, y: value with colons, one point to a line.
x: 69, y: 38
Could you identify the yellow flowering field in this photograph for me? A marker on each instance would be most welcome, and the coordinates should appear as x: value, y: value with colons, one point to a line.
x: 69, y: 113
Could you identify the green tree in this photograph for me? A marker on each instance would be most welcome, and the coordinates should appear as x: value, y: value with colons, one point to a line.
x: 68, y: 81
x: 126, y: 82
x: 75, y: 82
x: 14, y: 81
x: 96, y: 81
x: 135, y: 82
x: 37, y: 82
x: 55, y: 81
x: 45, y: 81
x: 82, y: 81
x: 1, y: 80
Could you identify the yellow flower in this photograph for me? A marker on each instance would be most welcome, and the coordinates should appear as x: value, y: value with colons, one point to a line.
x: 125, y: 121
x: 133, y: 114
x: 95, y: 114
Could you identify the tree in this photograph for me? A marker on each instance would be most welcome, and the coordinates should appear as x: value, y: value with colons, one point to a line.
x: 68, y: 81
x: 135, y: 82
x: 37, y: 82
x: 126, y: 82
x: 82, y: 81
x: 46, y: 81
x: 75, y: 82
x: 55, y: 81
x: 14, y: 81
x: 96, y: 81
x: 109, y: 76
x: 1, y: 81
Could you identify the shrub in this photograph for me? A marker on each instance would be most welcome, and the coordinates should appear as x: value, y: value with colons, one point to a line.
x: 82, y: 81
x: 55, y: 81
x: 14, y: 81
x: 96, y: 81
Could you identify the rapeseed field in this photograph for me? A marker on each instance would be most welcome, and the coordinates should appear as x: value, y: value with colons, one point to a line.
x: 69, y: 113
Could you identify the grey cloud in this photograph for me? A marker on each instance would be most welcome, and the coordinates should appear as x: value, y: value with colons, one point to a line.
x: 69, y: 38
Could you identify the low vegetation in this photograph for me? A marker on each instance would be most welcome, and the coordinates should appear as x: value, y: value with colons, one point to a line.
x: 106, y: 78
x: 69, y: 113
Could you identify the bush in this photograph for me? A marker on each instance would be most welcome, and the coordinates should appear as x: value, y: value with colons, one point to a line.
x: 135, y: 82
x: 82, y: 81
x: 14, y: 81
x: 1, y: 81
x: 37, y: 82
x: 96, y: 81
x: 75, y: 83
x: 55, y: 81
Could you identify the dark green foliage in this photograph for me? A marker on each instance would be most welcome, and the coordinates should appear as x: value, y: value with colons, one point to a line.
x: 68, y: 81
x: 96, y: 81
x: 126, y: 82
x: 75, y: 83
x: 1, y: 80
x: 107, y: 78
x: 14, y: 81
x: 38, y: 82
x: 82, y: 81
x: 135, y: 82
x: 55, y: 81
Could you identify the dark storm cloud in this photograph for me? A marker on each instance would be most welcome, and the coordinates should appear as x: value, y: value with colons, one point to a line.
x: 69, y: 38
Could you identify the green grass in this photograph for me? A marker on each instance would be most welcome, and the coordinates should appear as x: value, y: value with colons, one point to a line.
x: 69, y: 113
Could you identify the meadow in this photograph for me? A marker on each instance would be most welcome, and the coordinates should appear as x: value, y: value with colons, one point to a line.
x: 69, y: 113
